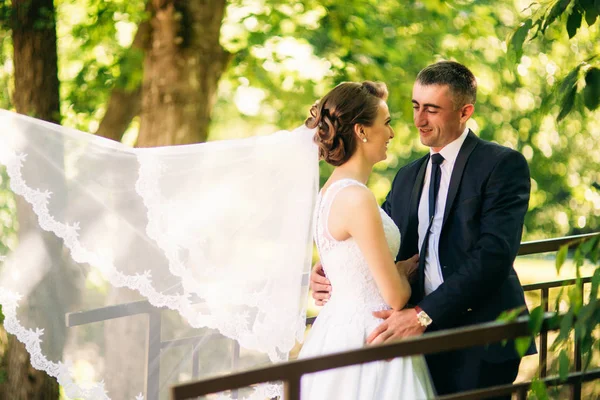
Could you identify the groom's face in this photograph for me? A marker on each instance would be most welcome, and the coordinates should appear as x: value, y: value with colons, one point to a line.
x: 435, y: 115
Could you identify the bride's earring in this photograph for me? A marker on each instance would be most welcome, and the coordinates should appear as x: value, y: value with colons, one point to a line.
x: 364, y: 138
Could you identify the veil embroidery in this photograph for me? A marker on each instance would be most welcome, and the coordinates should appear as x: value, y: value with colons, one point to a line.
x: 217, y: 235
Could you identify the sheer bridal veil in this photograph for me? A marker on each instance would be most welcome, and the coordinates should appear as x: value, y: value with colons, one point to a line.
x: 140, y: 268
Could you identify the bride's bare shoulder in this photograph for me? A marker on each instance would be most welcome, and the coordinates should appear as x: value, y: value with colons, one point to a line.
x: 354, y: 198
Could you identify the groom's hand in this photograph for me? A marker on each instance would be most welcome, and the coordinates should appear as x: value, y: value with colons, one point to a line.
x: 409, y: 267
x: 320, y: 285
x: 397, y: 325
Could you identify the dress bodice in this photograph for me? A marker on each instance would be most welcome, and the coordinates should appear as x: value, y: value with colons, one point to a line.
x: 344, y: 264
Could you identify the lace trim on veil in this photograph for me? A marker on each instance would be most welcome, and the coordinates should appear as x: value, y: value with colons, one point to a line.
x: 234, y: 327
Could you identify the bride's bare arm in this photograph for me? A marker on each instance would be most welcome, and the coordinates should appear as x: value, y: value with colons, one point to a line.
x: 357, y: 214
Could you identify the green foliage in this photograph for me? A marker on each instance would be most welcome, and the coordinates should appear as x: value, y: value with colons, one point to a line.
x: 522, y: 344
x: 288, y: 54
x: 518, y: 37
x: 539, y: 390
x: 95, y: 55
x: 583, y: 316
x: 548, y: 15
x: 591, y: 92
x: 561, y: 257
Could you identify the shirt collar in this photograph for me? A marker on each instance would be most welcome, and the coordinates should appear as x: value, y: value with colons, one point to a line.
x: 450, y: 151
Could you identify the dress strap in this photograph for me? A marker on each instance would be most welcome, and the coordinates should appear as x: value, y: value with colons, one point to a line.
x: 324, y: 239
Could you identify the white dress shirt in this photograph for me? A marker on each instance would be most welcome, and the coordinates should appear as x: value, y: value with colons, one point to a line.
x: 433, y: 269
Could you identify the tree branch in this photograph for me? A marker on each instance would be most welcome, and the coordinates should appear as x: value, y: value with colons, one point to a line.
x: 124, y: 104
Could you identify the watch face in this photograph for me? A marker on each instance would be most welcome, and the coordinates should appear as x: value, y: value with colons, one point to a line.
x: 424, y: 319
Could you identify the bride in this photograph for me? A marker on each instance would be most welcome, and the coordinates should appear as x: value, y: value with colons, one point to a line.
x: 216, y: 239
x: 357, y: 243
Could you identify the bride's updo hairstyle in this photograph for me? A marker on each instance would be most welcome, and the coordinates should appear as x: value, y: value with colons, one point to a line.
x: 338, y: 111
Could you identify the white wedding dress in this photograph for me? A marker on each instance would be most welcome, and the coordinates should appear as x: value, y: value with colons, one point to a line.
x: 346, y: 320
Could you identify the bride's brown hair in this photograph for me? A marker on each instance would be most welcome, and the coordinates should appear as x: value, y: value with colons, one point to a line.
x: 338, y: 111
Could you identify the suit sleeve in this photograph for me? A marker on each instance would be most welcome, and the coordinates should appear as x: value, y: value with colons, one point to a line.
x: 505, y: 199
x: 387, y: 204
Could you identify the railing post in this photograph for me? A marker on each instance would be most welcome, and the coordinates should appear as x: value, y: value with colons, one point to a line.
x: 522, y: 393
x: 234, y: 363
x: 195, y: 361
x: 153, y: 355
x: 543, y: 360
x: 577, y: 349
x: 291, y: 388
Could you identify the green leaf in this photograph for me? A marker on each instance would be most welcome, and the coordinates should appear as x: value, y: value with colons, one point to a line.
x: 571, y: 79
x: 578, y: 258
x: 591, y: 92
x: 566, y: 324
x: 591, y: 14
x: 558, y: 299
x: 567, y: 104
x: 522, y: 344
x: 574, y: 22
x: 539, y: 389
x: 561, y: 256
x: 510, y: 315
x: 595, y: 284
x: 587, y: 245
x: 536, y: 318
x: 518, y: 38
x: 559, y: 8
x: 563, y: 368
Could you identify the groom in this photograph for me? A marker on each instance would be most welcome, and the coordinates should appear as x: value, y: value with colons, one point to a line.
x: 460, y: 212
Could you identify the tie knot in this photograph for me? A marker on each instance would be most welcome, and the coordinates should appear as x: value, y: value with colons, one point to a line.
x: 437, y: 158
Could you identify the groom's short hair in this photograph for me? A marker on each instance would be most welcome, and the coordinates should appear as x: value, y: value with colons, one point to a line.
x: 460, y: 80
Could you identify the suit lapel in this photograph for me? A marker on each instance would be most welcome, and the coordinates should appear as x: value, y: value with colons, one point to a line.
x: 457, y: 173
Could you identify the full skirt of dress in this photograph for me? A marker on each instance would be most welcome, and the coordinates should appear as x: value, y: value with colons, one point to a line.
x: 335, y: 330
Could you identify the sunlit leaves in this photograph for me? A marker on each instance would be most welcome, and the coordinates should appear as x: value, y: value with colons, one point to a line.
x: 518, y: 37
x: 557, y: 9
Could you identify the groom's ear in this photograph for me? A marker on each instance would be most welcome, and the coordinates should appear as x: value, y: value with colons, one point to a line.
x: 466, y: 111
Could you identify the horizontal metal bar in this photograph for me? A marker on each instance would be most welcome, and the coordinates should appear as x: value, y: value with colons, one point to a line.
x: 110, y: 312
x: 187, y: 341
x: 141, y: 307
x: 506, y: 390
x: 429, y: 343
x: 555, y: 284
x: 544, y: 246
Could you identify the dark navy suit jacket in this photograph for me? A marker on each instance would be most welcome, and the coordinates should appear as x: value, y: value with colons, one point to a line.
x: 481, y: 232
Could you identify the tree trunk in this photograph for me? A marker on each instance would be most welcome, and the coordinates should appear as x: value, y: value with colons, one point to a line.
x: 36, y: 94
x: 181, y: 71
x: 182, y: 68
x: 35, y: 59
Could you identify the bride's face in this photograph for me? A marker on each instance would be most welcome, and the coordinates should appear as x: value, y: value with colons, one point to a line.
x: 378, y: 135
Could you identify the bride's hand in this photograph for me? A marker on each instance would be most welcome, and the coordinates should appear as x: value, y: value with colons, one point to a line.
x: 409, y: 267
x: 320, y: 285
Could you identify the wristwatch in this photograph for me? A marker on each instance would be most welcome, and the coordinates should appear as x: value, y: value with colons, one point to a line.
x: 422, y: 316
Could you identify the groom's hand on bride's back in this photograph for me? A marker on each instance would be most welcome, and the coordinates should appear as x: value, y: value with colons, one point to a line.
x: 320, y: 285
x: 409, y: 267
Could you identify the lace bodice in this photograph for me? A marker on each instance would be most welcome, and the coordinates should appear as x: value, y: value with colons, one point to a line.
x: 343, y: 262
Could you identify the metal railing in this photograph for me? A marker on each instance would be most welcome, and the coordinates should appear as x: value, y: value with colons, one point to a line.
x: 155, y: 345
x: 291, y: 373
